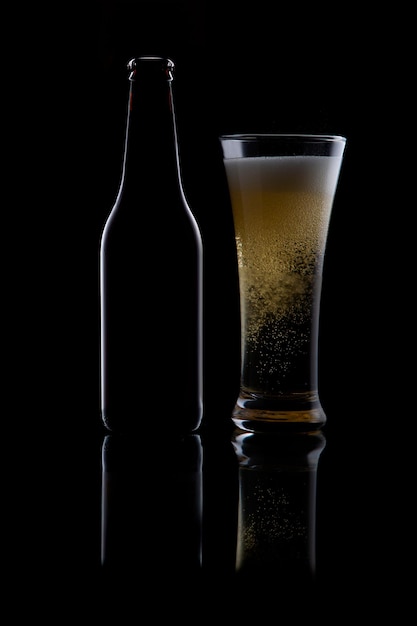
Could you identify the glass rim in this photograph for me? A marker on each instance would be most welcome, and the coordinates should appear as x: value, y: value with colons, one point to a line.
x: 314, y: 137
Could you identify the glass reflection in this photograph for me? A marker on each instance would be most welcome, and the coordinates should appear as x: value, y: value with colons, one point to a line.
x: 151, y: 507
x: 276, y: 526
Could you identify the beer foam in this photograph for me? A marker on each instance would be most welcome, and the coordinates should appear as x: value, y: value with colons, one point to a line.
x: 315, y: 174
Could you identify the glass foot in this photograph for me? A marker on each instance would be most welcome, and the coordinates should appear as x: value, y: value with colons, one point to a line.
x: 299, y: 414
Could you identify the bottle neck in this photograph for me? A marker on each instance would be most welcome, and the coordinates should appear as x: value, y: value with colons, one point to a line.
x: 151, y: 152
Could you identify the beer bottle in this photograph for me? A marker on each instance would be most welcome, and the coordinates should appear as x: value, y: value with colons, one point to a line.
x: 151, y: 272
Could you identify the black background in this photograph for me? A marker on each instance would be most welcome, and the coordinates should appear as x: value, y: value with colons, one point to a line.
x: 269, y: 66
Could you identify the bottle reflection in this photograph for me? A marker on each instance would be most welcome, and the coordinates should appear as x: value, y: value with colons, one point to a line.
x: 151, y: 507
x: 277, y: 507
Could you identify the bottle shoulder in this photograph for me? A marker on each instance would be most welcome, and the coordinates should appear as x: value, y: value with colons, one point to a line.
x: 163, y: 212
x: 171, y: 225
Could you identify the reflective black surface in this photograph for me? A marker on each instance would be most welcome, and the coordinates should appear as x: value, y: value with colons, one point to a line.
x: 219, y: 523
x: 203, y: 516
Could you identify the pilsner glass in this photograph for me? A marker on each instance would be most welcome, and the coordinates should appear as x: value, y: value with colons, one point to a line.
x: 282, y: 189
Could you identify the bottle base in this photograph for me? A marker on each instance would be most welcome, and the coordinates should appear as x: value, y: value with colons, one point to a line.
x: 299, y: 413
x: 146, y: 420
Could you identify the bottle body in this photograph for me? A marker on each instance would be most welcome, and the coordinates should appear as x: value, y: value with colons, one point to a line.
x: 151, y: 275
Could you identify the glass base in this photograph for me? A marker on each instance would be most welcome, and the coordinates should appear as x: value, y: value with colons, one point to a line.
x: 298, y: 413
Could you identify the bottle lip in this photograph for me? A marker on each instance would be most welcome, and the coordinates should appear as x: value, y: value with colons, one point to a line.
x: 166, y: 65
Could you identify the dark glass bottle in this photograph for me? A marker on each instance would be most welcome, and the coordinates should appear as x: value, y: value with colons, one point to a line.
x: 151, y: 272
